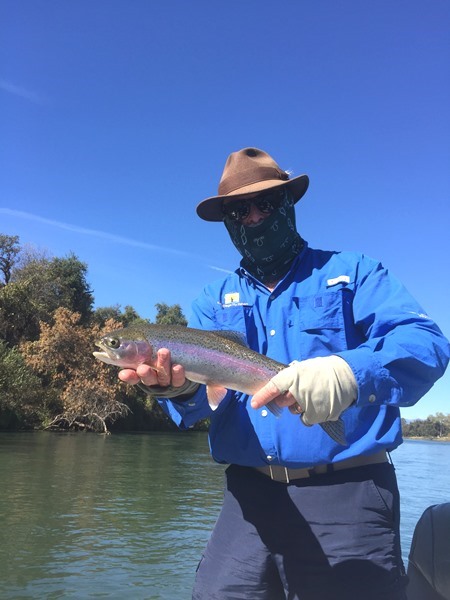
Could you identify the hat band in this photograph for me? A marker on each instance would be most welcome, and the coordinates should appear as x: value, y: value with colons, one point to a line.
x: 242, y: 179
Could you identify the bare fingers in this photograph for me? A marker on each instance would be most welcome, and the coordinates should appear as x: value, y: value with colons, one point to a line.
x: 178, y: 376
x: 129, y: 376
x: 161, y: 372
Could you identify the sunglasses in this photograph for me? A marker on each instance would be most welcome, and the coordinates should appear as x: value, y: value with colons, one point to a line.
x: 238, y: 210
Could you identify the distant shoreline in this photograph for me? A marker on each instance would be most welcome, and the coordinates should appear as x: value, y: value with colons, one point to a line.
x: 428, y: 439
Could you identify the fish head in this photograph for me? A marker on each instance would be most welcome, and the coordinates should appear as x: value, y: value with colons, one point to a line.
x: 122, y: 351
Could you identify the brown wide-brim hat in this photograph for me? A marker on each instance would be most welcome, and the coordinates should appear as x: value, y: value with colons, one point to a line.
x: 247, y: 172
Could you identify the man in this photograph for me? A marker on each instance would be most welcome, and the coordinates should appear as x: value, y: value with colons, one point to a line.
x: 305, y: 515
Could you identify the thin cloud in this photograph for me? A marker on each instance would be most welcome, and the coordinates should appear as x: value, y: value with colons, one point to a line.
x: 22, y: 92
x: 220, y: 269
x: 115, y: 239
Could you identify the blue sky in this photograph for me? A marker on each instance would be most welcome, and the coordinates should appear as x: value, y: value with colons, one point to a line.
x: 116, y: 118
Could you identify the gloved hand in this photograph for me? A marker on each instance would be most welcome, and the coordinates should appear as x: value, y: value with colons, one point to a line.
x: 319, y: 389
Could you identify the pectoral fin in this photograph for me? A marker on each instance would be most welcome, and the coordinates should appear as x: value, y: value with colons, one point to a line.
x: 215, y: 395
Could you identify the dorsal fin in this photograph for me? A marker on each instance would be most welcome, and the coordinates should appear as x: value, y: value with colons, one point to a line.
x: 234, y: 336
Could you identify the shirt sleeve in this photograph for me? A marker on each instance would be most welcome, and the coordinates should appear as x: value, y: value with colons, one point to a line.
x: 187, y: 412
x: 404, y: 353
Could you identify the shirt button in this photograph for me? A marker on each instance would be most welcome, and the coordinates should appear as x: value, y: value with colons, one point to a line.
x: 372, y: 398
x: 264, y: 413
x: 272, y: 332
x: 269, y: 457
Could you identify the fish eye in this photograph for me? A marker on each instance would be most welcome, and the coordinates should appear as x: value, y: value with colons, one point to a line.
x: 112, y: 342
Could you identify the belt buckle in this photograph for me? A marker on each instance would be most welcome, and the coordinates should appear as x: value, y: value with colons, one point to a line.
x: 286, y: 473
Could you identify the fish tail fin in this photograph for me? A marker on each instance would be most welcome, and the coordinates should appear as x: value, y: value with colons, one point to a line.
x: 336, y: 431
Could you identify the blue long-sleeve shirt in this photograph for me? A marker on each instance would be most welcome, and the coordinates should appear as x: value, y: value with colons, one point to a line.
x: 340, y: 303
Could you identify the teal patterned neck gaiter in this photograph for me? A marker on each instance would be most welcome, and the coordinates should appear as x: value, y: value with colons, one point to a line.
x: 269, y: 248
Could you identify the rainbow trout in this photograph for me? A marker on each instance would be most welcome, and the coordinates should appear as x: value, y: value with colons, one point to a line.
x: 219, y: 359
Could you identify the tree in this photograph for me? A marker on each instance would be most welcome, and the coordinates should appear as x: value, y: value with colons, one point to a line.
x: 37, y: 289
x: 19, y: 318
x: 103, y: 314
x: 90, y: 396
x: 30, y: 254
x: 170, y: 315
x: 9, y: 249
x: 22, y: 399
x: 436, y: 426
x: 129, y: 316
x: 73, y: 291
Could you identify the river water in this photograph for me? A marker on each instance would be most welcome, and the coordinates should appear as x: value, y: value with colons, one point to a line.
x: 127, y: 516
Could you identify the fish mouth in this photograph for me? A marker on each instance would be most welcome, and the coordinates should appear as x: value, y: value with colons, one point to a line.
x: 106, y: 355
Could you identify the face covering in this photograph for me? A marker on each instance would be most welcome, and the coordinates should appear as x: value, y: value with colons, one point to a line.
x: 269, y: 248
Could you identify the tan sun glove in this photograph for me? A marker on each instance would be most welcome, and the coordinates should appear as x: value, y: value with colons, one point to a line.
x: 323, y: 387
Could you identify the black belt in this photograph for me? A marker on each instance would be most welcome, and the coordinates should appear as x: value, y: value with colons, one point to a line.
x: 285, y: 475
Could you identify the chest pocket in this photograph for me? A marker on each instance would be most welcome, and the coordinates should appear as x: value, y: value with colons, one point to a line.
x: 317, y: 324
x: 241, y: 317
x: 233, y: 317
